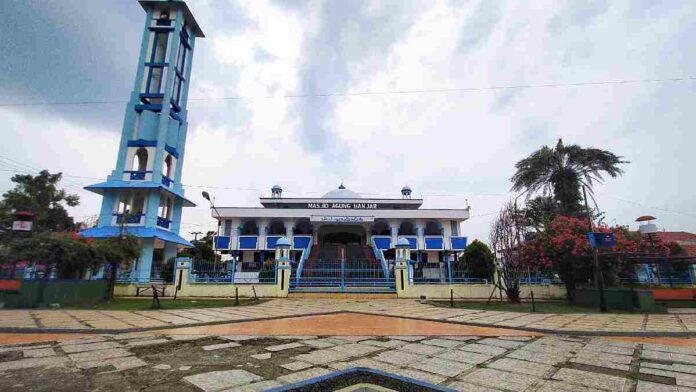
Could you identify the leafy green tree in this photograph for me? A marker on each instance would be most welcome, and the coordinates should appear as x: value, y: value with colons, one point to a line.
x: 540, y: 211
x: 202, y: 248
x: 477, y: 260
x: 117, y: 252
x: 561, y: 171
x: 40, y: 195
x: 66, y: 254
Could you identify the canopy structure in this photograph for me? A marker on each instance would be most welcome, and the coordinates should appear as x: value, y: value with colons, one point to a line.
x: 138, y: 231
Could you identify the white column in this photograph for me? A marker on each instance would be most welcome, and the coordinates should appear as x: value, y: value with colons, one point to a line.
x: 394, y: 227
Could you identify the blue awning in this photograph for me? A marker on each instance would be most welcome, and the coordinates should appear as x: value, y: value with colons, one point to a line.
x: 413, y: 242
x: 458, y: 243
x: 271, y: 241
x: 222, y: 242
x: 433, y: 242
x: 383, y: 243
x: 99, y: 188
x: 138, y: 231
x: 300, y: 242
x: 248, y: 242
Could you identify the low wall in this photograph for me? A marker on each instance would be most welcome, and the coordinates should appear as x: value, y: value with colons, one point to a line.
x: 225, y: 290
x: 479, y: 291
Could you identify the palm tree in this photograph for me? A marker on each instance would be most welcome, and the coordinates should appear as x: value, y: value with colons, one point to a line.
x: 561, y: 171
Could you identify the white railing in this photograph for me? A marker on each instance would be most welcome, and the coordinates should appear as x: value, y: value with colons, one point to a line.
x: 305, y: 255
x: 379, y: 254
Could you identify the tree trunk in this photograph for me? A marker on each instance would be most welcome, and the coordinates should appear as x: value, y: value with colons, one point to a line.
x: 570, y: 290
x: 513, y: 294
x: 112, y: 281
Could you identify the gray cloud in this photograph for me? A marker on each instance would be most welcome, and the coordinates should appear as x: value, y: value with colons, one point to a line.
x: 65, y: 51
x: 479, y: 26
x: 348, y: 35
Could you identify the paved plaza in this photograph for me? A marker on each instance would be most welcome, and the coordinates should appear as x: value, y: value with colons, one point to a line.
x: 281, y: 342
x: 174, y: 362
x: 114, y: 321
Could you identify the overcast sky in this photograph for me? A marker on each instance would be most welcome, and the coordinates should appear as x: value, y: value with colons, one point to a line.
x: 448, y: 146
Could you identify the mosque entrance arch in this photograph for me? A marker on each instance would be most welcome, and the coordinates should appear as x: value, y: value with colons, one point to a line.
x: 342, y: 235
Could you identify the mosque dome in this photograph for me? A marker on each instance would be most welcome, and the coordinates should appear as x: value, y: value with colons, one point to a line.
x: 341, y: 193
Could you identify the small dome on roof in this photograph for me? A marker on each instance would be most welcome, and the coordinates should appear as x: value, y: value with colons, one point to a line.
x: 282, y: 241
x: 342, y: 193
x: 402, y: 242
x: 276, y: 188
x: 406, y: 188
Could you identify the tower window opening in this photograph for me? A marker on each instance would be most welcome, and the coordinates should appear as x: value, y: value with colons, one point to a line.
x: 180, y: 68
x: 154, y: 82
x: 165, y: 208
x: 140, y: 160
x: 138, y: 204
x: 168, y: 166
x: 159, y: 47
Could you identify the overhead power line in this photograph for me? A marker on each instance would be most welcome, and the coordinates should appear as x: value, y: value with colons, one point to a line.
x: 17, y: 168
x: 370, y: 93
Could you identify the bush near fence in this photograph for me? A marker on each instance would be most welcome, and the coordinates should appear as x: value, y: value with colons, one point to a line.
x: 62, y: 292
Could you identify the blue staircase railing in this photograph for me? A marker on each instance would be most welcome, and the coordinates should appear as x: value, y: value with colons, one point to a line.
x: 379, y: 254
x: 305, y: 255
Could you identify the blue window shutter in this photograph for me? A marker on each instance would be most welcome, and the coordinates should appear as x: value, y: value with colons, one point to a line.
x: 383, y: 243
x: 300, y: 242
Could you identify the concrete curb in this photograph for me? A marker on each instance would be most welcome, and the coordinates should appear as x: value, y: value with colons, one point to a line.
x: 674, y: 334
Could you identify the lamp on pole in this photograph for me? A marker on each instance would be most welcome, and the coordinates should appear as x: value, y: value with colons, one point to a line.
x: 206, y: 196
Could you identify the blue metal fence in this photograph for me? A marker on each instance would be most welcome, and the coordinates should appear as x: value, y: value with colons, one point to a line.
x: 343, y: 273
x: 221, y: 272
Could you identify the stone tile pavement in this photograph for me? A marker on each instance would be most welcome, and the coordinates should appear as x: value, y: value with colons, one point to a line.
x: 126, y: 320
x: 546, y: 363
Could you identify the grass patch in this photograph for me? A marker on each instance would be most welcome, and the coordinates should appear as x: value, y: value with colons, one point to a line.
x: 146, y: 304
x: 526, y: 307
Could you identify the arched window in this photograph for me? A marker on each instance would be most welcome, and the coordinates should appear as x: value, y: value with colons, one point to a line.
x: 407, y: 228
x: 276, y: 228
x: 249, y: 228
x: 140, y: 160
x: 381, y: 228
x: 433, y: 228
x: 168, y: 166
x: 303, y: 227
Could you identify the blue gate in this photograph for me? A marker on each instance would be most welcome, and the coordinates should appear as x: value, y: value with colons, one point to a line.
x: 351, y: 275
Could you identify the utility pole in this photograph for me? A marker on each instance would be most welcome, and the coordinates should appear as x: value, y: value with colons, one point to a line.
x: 599, y: 277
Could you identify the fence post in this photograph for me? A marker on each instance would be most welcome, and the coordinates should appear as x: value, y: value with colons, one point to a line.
x: 449, y: 270
x: 343, y: 275
x: 234, y: 268
x: 401, y: 274
x: 181, y: 276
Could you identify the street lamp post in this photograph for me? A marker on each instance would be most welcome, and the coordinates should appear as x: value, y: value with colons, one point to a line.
x: 206, y: 196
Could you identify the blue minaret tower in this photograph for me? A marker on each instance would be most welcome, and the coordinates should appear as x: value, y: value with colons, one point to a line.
x: 143, y: 196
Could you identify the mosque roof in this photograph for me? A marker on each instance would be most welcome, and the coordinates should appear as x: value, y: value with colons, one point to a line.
x: 341, y: 193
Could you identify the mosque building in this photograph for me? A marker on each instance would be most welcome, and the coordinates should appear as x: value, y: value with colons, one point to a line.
x: 338, y: 232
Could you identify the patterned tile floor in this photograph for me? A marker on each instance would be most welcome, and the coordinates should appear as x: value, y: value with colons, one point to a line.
x: 126, y: 320
x: 149, y: 361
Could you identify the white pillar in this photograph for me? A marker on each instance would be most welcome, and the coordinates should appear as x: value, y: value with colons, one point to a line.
x: 394, y: 227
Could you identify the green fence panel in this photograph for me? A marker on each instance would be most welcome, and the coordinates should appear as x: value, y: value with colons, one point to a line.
x: 62, y: 292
